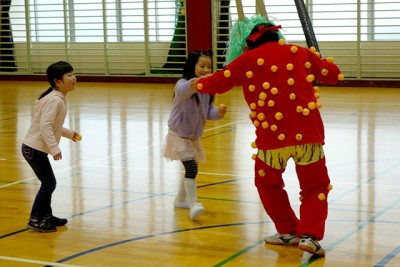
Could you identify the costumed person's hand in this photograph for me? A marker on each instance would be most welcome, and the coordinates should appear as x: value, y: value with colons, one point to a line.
x: 76, y: 137
x: 57, y: 157
x: 193, y: 83
x: 222, y: 109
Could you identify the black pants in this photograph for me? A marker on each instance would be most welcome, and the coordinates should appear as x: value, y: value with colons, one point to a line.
x: 40, y: 164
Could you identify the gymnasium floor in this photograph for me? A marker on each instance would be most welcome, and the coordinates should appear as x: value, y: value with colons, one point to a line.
x: 117, y: 190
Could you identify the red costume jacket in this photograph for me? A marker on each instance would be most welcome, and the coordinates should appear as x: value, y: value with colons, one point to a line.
x: 277, y: 82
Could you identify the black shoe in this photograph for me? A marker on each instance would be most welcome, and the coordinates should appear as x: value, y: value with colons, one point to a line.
x: 57, y: 221
x: 42, y: 226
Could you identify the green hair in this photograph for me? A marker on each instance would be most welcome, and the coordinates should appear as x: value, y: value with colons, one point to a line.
x: 240, y: 31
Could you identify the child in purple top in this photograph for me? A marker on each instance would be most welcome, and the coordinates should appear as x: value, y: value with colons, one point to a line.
x: 189, y: 114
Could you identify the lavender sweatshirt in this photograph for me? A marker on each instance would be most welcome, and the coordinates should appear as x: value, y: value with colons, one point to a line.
x: 188, y: 115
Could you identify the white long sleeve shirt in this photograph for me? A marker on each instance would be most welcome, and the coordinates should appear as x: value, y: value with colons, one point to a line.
x: 46, y: 128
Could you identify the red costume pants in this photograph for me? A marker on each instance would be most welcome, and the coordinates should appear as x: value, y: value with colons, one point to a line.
x: 314, y: 184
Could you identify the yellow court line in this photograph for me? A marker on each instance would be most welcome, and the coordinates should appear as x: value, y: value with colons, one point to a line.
x: 38, y: 262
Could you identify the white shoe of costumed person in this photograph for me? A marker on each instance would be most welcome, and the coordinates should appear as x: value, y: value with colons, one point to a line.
x: 311, y: 245
x: 282, y: 239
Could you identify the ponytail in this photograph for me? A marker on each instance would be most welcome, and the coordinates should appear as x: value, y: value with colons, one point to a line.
x: 48, y: 91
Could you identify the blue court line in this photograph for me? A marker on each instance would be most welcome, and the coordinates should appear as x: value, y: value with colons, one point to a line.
x: 106, y: 207
x: 312, y: 257
x: 304, y: 264
x: 355, y: 188
x: 354, y: 231
x: 365, y: 224
x: 14, y: 233
x: 388, y: 258
x: 90, y: 211
x: 372, y: 219
x: 154, y: 235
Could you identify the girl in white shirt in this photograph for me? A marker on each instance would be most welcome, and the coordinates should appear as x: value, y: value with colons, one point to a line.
x: 43, y: 138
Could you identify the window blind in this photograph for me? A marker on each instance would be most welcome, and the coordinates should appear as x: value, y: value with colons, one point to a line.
x: 362, y: 35
x: 98, y: 37
x: 148, y: 38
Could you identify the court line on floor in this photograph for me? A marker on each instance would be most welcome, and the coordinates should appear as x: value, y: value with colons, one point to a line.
x: 371, y: 219
x: 27, y: 179
x: 156, y: 195
x: 310, y: 258
x: 97, y: 209
x: 359, y: 185
x: 14, y: 259
x: 108, y: 157
x: 356, y: 188
x: 221, y: 263
x: 243, y: 251
x: 388, y: 258
x: 156, y: 235
x: 364, y: 224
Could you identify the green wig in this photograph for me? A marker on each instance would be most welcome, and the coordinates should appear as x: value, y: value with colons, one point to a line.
x: 240, y: 31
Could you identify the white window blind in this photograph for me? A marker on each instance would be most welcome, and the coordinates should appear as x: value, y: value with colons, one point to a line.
x: 98, y: 37
x: 148, y: 37
x: 362, y: 35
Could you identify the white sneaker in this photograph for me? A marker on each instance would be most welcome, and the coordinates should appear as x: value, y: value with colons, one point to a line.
x: 279, y: 239
x: 196, y: 210
x: 311, y: 245
x: 181, y: 204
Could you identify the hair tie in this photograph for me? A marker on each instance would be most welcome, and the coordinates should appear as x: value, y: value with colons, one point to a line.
x: 261, y: 30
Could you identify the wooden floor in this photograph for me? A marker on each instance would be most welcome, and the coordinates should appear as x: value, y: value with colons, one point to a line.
x: 117, y: 190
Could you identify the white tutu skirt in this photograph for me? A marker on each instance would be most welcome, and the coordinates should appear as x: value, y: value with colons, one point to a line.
x: 179, y: 148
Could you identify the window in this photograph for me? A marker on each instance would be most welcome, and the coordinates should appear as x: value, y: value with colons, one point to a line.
x: 334, y: 20
x: 94, y: 20
x: 362, y: 35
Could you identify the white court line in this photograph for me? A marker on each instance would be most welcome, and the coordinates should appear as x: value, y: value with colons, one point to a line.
x: 38, y: 262
x: 222, y: 126
x: 28, y: 179
x: 97, y: 160
x: 17, y: 182
x: 178, y: 171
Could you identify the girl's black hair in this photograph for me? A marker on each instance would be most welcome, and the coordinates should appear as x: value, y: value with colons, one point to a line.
x: 191, y: 61
x: 267, y: 36
x: 55, y: 72
x: 189, y: 68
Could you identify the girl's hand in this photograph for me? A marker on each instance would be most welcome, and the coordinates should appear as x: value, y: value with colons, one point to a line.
x: 193, y: 83
x: 222, y: 109
x: 57, y: 157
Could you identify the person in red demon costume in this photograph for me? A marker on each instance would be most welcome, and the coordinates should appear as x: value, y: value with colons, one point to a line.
x: 278, y: 86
